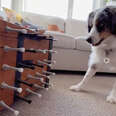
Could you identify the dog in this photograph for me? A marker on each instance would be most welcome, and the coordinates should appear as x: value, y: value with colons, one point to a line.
x: 102, y: 38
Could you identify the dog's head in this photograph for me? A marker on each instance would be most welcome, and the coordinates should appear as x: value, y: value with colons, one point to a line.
x: 101, y: 25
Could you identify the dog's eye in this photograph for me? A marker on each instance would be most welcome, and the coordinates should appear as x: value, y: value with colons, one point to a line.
x: 100, y: 27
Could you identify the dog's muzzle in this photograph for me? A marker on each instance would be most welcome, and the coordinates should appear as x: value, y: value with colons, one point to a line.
x: 89, y: 40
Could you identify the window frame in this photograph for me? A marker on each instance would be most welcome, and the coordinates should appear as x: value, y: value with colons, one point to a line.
x: 96, y: 4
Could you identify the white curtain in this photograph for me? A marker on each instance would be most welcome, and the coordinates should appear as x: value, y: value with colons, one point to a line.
x: 6, y: 3
x: 47, y: 7
x: 81, y: 9
x: 61, y: 8
x: 0, y: 4
x: 17, y: 5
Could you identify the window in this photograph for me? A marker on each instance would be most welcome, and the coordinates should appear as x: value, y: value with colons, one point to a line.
x: 82, y: 8
x: 6, y: 3
x: 47, y: 7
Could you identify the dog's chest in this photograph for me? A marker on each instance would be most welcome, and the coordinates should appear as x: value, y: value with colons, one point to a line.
x: 109, y: 56
x: 108, y: 52
x: 101, y: 54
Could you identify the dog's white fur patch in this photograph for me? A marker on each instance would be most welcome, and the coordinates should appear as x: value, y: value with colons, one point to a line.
x: 96, y: 62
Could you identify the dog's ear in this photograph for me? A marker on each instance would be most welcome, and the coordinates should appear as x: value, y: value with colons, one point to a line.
x: 90, y: 20
x: 113, y: 26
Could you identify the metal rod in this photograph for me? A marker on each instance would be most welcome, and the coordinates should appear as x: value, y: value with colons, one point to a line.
x: 7, y: 48
x: 8, y: 67
x: 24, y: 31
x: 30, y: 91
x: 24, y: 99
x: 5, y: 85
x: 3, y: 104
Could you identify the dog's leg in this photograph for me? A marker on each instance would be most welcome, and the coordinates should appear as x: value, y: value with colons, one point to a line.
x: 111, y: 98
x: 89, y: 74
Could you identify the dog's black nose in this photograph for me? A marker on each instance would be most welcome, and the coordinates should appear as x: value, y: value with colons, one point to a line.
x: 89, y: 40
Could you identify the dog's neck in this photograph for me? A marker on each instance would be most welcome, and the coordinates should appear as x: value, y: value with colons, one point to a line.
x: 107, y: 46
x: 108, y: 43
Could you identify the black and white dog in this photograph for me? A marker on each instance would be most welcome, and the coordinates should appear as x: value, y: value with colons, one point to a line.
x: 102, y: 37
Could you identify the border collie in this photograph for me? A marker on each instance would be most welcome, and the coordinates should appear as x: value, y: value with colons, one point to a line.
x: 102, y: 37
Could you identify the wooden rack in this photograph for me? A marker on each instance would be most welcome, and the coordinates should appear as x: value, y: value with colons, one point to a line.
x: 15, y: 58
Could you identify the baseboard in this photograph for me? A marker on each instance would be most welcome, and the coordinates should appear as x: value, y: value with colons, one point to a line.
x: 83, y: 73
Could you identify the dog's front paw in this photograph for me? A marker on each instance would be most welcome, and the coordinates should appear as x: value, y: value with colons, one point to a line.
x: 111, y: 99
x: 75, y: 87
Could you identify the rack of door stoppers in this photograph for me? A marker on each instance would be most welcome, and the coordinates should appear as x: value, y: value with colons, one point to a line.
x: 25, y: 61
